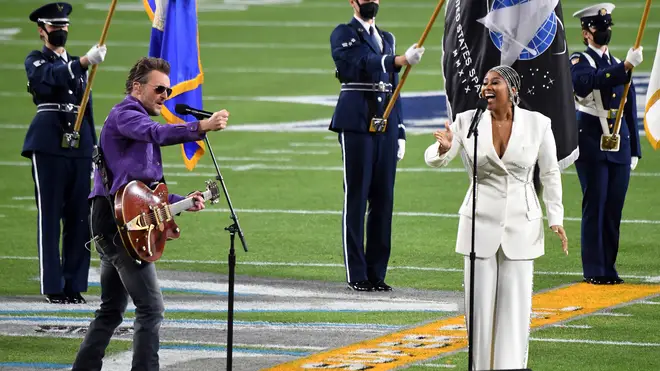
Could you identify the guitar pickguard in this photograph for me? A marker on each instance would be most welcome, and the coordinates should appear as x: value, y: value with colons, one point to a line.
x: 137, y: 224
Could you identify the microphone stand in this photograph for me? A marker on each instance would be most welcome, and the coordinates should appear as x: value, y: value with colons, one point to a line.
x: 233, y: 229
x: 473, y: 256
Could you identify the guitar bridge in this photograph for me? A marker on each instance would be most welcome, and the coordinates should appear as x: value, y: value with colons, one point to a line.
x: 168, y: 212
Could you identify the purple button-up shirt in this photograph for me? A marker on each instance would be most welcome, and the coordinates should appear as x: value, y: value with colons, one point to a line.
x: 131, y: 142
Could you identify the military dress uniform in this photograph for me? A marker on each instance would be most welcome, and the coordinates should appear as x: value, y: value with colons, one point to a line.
x: 598, y: 83
x: 61, y: 175
x: 364, y: 59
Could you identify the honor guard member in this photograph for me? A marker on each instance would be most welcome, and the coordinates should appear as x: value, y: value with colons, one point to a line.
x: 61, y: 172
x: 367, y: 67
x: 598, y: 85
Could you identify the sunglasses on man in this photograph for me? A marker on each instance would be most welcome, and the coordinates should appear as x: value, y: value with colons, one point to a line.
x: 160, y: 89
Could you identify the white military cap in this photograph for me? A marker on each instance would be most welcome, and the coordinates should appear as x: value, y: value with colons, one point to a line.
x: 598, y: 16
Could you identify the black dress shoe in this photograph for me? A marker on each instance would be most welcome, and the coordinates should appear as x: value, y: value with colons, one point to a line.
x: 382, y: 286
x: 612, y: 280
x: 57, y: 299
x: 600, y: 280
x: 594, y: 280
x: 76, y: 298
x: 618, y: 280
x: 361, y: 286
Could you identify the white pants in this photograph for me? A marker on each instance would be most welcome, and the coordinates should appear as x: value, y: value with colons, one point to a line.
x: 502, y: 311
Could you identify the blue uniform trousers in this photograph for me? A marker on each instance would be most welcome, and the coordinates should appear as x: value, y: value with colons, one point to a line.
x: 604, y: 186
x: 369, y: 172
x: 62, y: 185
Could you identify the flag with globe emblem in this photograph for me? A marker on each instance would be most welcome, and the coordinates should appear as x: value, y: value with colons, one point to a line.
x: 527, y: 35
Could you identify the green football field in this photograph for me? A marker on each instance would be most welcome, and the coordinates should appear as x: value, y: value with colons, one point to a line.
x: 265, y: 63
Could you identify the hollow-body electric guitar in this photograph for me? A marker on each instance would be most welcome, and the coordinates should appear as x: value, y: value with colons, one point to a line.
x: 146, y: 218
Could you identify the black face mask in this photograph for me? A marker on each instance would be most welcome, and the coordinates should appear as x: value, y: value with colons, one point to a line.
x: 57, y: 38
x: 602, y: 37
x: 368, y: 10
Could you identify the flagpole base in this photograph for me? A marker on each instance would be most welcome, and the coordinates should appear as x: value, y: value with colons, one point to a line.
x: 378, y: 125
x: 610, y: 143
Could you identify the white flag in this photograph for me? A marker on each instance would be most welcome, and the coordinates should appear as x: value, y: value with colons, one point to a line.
x: 652, y: 108
x: 518, y: 25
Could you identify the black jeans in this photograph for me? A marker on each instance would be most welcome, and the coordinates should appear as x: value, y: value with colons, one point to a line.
x: 121, y: 277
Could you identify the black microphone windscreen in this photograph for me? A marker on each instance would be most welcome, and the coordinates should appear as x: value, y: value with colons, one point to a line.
x: 482, y: 103
x: 181, y: 109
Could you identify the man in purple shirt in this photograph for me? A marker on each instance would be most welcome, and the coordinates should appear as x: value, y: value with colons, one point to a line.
x: 130, y: 142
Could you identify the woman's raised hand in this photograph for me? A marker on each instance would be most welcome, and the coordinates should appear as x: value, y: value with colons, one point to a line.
x: 444, y: 138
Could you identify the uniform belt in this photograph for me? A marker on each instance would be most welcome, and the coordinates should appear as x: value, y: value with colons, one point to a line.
x: 379, y: 87
x: 608, y: 114
x: 57, y: 107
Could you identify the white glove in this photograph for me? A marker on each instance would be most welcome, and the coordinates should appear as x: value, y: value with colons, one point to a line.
x: 414, y: 54
x: 402, y: 149
x: 633, y: 162
x: 635, y: 57
x: 96, y: 54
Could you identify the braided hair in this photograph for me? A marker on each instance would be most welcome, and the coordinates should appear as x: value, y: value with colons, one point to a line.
x: 512, y: 80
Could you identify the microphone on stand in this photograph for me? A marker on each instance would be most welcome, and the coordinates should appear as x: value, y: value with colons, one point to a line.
x: 482, y: 103
x: 233, y: 229
x: 184, y: 109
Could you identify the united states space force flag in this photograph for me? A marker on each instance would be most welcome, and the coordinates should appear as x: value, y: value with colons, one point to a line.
x: 527, y: 35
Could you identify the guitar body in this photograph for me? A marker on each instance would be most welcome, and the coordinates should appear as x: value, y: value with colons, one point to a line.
x: 145, y: 220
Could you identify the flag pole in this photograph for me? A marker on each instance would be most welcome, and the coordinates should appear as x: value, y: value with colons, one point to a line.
x: 619, y: 113
x: 397, y: 91
x: 74, y: 139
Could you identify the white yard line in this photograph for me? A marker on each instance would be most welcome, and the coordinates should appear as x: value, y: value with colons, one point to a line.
x: 611, y: 314
x: 359, y: 304
x: 581, y: 327
x: 290, y: 152
x: 187, y: 342
x: 333, y: 265
x: 313, y: 144
x: 436, y: 365
x: 338, y: 168
x: 596, y: 342
x: 185, y: 324
x: 336, y: 212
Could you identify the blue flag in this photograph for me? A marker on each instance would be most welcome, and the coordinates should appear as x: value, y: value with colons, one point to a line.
x: 174, y: 38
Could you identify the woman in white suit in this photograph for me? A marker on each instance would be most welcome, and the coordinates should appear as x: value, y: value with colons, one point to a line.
x: 509, y: 223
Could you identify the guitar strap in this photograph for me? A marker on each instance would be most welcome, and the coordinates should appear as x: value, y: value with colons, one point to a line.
x: 99, y: 161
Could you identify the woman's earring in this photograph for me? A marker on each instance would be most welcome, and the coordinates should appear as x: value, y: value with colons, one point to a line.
x: 515, y: 99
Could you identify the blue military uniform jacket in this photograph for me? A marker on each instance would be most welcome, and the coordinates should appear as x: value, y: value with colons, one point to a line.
x: 598, y: 89
x: 57, y: 88
x: 359, y: 62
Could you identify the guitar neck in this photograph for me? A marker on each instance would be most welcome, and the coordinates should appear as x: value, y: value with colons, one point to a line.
x: 187, y: 203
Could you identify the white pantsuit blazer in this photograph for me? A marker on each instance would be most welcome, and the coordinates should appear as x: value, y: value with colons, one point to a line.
x: 508, y: 212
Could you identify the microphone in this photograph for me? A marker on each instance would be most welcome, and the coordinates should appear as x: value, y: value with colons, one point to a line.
x: 184, y: 109
x: 482, y: 103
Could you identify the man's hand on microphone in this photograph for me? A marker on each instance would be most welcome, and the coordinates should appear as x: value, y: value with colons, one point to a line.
x: 217, y: 122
